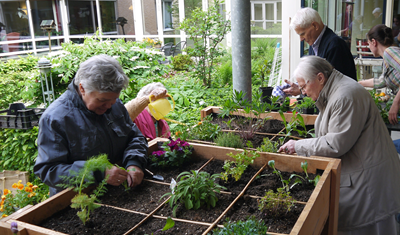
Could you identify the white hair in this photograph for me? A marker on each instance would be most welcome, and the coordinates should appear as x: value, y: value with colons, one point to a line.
x: 101, y: 73
x: 146, y: 90
x: 310, y: 66
x: 377, y: 10
x: 304, y: 17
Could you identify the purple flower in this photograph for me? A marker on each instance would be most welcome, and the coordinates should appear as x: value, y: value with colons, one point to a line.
x: 180, y: 149
x: 14, y: 227
x: 184, y: 144
x: 159, y: 153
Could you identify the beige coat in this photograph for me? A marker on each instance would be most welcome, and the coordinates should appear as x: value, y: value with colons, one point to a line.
x: 349, y: 127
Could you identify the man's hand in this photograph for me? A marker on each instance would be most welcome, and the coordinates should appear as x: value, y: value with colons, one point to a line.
x: 393, y: 114
x: 135, y: 176
x: 288, y: 147
x: 293, y: 90
x: 116, y: 176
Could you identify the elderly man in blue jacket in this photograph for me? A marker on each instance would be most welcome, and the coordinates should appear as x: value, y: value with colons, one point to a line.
x: 323, y: 43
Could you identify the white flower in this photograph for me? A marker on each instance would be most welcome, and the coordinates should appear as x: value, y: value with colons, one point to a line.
x: 116, y: 56
x: 150, y: 59
x: 201, y: 102
x: 172, y: 185
x: 60, y: 75
x: 134, y: 58
x: 141, y: 67
x: 122, y: 49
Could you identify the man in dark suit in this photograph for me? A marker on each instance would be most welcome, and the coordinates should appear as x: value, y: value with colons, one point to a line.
x: 323, y: 43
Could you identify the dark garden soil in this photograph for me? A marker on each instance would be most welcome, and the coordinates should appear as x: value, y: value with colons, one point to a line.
x: 271, y: 126
x: 146, y: 197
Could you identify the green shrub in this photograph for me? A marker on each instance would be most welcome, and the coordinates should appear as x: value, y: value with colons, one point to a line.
x: 225, y: 72
x: 205, y: 130
x: 229, y: 139
x: 268, y: 146
x: 182, y: 62
x: 250, y: 226
x: 236, y: 168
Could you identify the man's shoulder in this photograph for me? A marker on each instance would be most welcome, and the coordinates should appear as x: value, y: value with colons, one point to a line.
x: 330, y: 37
x: 59, y: 108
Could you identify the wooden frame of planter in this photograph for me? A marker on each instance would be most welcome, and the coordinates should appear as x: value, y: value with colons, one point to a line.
x: 308, y: 119
x: 316, y: 213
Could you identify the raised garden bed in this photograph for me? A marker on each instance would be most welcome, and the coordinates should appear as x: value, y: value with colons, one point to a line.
x: 319, y: 211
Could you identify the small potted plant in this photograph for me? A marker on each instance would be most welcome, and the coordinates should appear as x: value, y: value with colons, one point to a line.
x: 263, y: 70
x: 306, y: 105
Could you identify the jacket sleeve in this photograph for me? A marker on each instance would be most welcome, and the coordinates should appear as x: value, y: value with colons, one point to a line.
x: 136, y: 106
x: 54, y: 158
x: 346, y: 122
x: 136, y: 151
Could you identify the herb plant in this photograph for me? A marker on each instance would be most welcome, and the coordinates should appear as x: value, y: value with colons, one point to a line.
x: 237, y: 167
x: 300, y: 180
x: 194, y: 190
x: 285, y: 183
x: 83, y: 179
x: 174, y: 154
x: 250, y: 226
x: 276, y: 204
x: 268, y: 146
x: 229, y: 139
x: 205, y: 130
x: 306, y: 103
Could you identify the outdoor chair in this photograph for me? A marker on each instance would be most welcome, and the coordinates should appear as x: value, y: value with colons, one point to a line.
x: 167, y: 49
x: 177, y: 49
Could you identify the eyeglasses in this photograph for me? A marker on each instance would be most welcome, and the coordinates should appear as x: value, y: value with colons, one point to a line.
x: 302, y: 87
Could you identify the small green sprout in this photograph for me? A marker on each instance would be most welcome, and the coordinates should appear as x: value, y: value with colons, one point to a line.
x: 125, y: 183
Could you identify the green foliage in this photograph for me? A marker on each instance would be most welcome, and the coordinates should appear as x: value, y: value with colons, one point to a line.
x: 207, y: 29
x: 276, y: 204
x: 250, y: 226
x: 307, y: 102
x: 182, y: 62
x: 194, y: 190
x: 382, y: 107
x: 268, y: 146
x: 19, y: 149
x: 225, y: 72
x: 263, y: 71
x: 174, y: 153
x: 285, y: 183
x: 205, y: 130
x: 262, y: 55
x: 237, y: 167
x: 300, y: 180
x: 125, y: 183
x: 295, y: 122
x: 229, y: 139
x: 83, y: 179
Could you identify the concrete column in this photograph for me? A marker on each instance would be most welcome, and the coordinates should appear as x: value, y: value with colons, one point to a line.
x: 241, y: 46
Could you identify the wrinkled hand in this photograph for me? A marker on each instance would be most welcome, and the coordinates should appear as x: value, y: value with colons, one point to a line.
x: 293, y: 90
x: 116, y: 176
x: 158, y: 93
x: 393, y: 114
x: 288, y: 147
x: 135, y: 176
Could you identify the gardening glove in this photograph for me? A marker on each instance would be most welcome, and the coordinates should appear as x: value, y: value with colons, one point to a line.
x: 158, y: 93
x: 135, y: 176
x: 278, y: 91
x: 293, y: 90
x: 116, y: 176
x: 288, y: 148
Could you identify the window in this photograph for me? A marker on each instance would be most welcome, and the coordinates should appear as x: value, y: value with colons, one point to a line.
x: 266, y: 17
x: 167, y: 14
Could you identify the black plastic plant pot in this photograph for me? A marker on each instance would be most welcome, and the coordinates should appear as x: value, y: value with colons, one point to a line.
x: 266, y: 93
x: 308, y: 110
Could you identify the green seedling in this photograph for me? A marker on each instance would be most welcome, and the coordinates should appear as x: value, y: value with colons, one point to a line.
x: 125, y: 183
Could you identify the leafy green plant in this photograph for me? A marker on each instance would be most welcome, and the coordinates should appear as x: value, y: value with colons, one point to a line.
x: 299, y: 179
x: 263, y: 71
x: 276, y: 204
x: 295, y: 122
x: 205, y: 130
x: 83, y: 179
x: 237, y: 167
x: 182, y: 62
x: 173, y: 154
x: 306, y: 103
x: 169, y: 224
x: 268, y: 146
x: 383, y: 108
x: 285, y: 183
x: 125, y: 183
x: 207, y: 29
x: 225, y: 72
x: 250, y: 226
x: 194, y: 190
x: 229, y: 139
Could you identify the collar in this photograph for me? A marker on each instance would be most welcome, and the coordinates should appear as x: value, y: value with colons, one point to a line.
x: 315, y: 45
x: 328, y: 89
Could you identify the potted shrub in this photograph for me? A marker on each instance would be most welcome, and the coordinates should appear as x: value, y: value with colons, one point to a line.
x: 305, y: 105
x: 263, y: 70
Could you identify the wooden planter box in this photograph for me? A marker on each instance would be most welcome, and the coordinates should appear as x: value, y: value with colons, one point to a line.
x: 308, y: 119
x: 318, y: 216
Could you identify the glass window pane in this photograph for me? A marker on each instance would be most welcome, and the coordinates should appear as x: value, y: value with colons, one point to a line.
x: 167, y: 15
x: 44, y: 10
x: 258, y: 12
x: 45, y: 43
x: 125, y: 9
x: 269, y: 11
x: 270, y: 28
x: 81, y: 17
x: 15, y: 26
x: 108, y: 17
x: 190, y: 5
x: 171, y: 13
x: 279, y: 13
x: 149, y: 17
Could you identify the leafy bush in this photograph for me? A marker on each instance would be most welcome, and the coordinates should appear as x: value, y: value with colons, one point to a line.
x: 173, y: 154
x: 182, y: 62
x: 225, y: 72
x: 19, y: 149
x: 237, y: 167
x: 276, y: 204
x: 250, y: 226
x: 268, y: 146
x: 229, y: 139
x: 205, y: 130
x: 194, y: 190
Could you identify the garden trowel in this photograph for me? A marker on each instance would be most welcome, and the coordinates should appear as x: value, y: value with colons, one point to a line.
x: 156, y: 177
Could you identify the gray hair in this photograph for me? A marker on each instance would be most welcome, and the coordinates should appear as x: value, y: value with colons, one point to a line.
x: 304, y: 17
x: 146, y: 90
x: 101, y: 73
x: 310, y: 66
